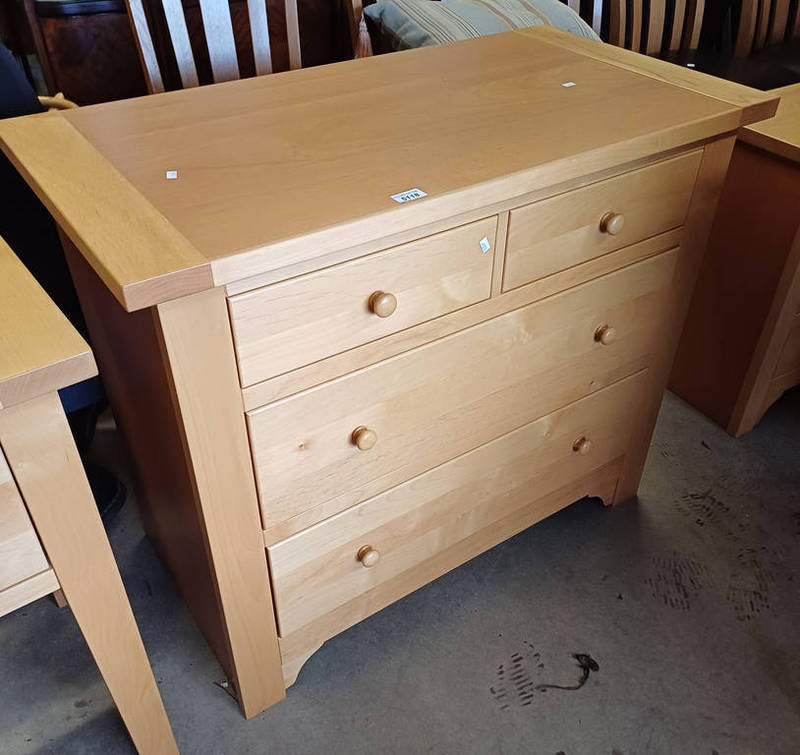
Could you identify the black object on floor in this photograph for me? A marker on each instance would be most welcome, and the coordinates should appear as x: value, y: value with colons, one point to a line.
x: 108, y: 490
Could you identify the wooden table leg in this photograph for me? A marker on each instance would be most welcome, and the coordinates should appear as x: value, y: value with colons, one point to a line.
x: 38, y: 445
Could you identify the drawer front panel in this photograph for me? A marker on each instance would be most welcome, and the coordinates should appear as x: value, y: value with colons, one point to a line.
x: 21, y: 555
x: 291, y: 324
x: 448, y: 397
x: 790, y: 354
x: 318, y: 570
x: 566, y: 230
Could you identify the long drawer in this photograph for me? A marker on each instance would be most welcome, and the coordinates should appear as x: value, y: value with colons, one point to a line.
x: 577, y: 226
x: 327, y: 448
x: 339, y: 560
x: 284, y: 326
x: 21, y: 554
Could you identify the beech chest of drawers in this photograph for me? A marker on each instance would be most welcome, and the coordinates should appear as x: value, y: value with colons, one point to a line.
x: 741, y: 346
x: 335, y: 393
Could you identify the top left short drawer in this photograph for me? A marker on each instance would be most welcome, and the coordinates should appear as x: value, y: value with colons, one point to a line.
x: 284, y: 326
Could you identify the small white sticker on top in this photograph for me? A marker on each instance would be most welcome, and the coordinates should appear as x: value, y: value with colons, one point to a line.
x: 409, y: 195
x: 568, y: 84
x: 172, y: 175
x: 485, y: 245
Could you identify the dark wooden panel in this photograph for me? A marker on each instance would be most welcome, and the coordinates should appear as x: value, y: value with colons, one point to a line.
x: 753, y: 230
x: 93, y: 57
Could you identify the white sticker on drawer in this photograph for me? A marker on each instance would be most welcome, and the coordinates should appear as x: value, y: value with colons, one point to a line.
x: 409, y: 195
x: 485, y: 245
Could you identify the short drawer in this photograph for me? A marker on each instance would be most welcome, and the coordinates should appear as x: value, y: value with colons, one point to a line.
x: 366, y: 547
x: 287, y: 325
x: 21, y: 555
x: 571, y: 228
x: 327, y: 448
x: 789, y: 360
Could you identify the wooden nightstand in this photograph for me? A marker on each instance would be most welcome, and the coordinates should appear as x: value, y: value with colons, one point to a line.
x: 740, y: 349
x: 51, y: 536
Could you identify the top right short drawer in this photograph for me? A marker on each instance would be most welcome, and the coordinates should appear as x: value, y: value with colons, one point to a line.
x: 574, y: 227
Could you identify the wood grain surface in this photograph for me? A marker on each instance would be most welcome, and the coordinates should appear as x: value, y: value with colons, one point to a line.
x: 40, y: 351
x: 236, y: 198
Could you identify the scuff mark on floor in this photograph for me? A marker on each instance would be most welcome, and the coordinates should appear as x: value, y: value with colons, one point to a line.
x: 516, y: 681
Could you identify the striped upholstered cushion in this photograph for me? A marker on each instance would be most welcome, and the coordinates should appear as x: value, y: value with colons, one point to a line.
x: 403, y: 24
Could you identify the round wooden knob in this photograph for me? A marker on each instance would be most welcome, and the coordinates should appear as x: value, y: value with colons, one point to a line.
x: 364, y: 438
x: 382, y: 304
x: 612, y: 223
x: 582, y: 446
x: 368, y: 556
x: 605, y: 334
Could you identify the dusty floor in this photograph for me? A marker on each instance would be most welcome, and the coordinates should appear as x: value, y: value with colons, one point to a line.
x: 688, y: 601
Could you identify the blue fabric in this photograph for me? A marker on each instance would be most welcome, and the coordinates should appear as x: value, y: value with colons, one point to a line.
x: 82, y: 394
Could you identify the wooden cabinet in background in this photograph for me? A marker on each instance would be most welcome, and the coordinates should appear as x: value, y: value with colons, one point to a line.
x: 740, y: 349
x: 86, y: 49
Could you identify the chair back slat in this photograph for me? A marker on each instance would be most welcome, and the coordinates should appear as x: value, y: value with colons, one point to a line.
x: 693, y: 23
x: 636, y: 25
x: 780, y: 17
x: 575, y: 5
x: 144, y: 44
x: 762, y: 25
x: 748, y: 20
x: 179, y: 36
x: 617, y: 22
x: 259, y: 32
x: 678, y: 18
x: 597, y: 16
x: 655, y: 26
x: 221, y: 45
x: 354, y: 12
x: 794, y: 24
x: 293, y: 33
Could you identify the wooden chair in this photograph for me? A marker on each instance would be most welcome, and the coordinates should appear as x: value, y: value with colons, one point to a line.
x: 216, y: 17
x: 653, y: 30
x: 766, y: 22
x: 652, y: 27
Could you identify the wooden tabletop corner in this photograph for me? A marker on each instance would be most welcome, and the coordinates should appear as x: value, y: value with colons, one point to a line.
x: 779, y: 135
x: 755, y: 104
x: 40, y: 351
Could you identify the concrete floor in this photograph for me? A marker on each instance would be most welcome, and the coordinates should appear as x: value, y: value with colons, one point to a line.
x: 687, y: 600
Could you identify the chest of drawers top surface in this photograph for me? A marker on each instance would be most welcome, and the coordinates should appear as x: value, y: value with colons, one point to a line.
x: 283, y: 169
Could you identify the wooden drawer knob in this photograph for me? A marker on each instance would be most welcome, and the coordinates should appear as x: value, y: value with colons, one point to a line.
x: 364, y: 438
x: 605, y: 334
x: 368, y: 556
x: 382, y: 304
x: 612, y: 223
x: 582, y: 446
